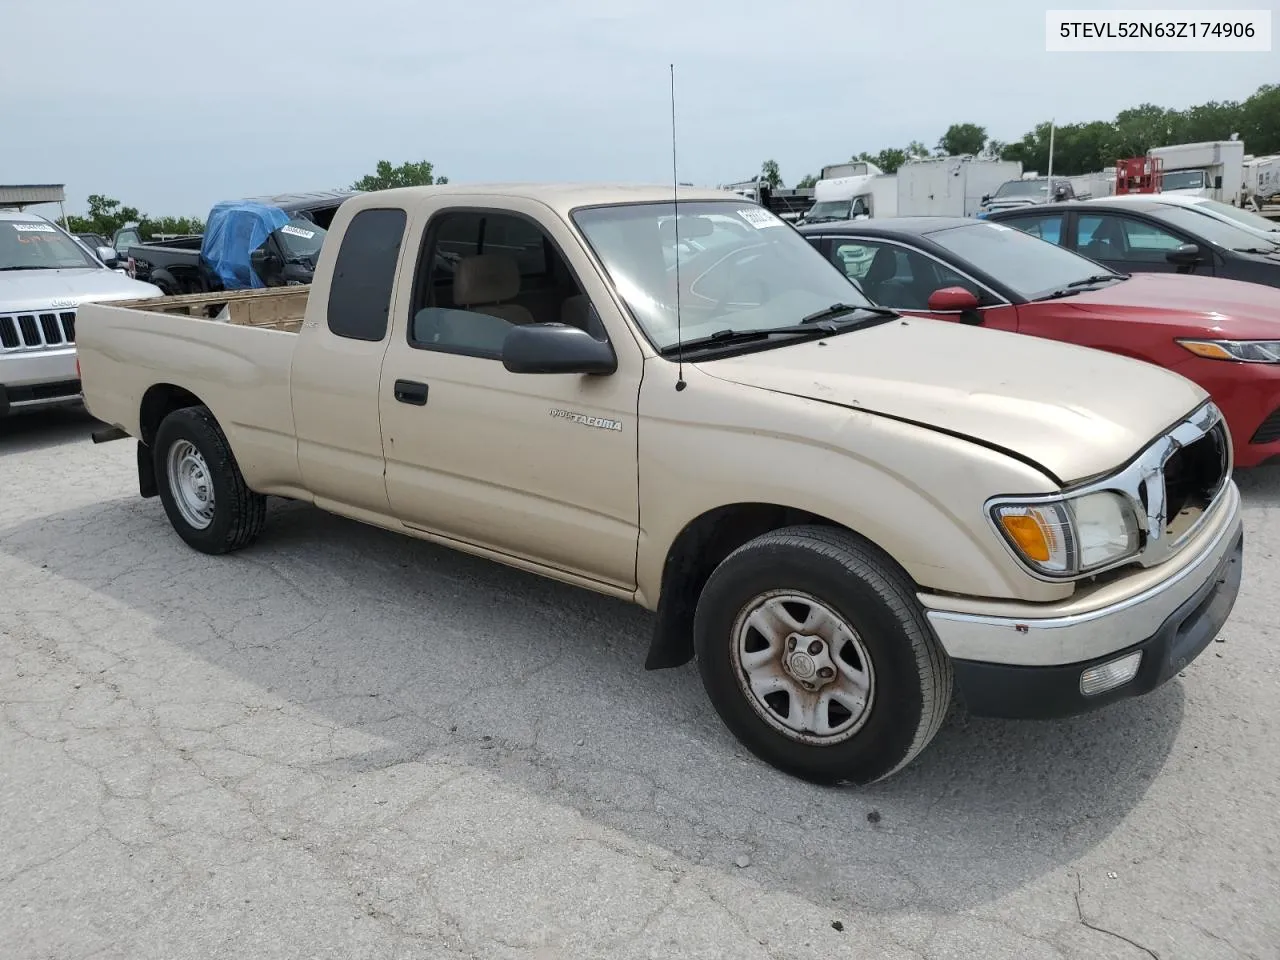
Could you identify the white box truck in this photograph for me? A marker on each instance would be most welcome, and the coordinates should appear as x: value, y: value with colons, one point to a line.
x: 950, y: 186
x: 1213, y: 169
x: 866, y: 192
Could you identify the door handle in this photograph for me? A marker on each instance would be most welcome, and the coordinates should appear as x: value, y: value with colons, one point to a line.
x: 410, y: 391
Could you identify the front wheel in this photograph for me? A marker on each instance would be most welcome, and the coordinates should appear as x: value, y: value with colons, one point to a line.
x: 817, y: 656
x: 203, y: 492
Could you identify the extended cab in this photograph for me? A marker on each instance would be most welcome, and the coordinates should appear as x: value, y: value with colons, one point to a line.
x: 843, y: 513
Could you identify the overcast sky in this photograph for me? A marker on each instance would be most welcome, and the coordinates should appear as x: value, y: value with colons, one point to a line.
x: 172, y: 106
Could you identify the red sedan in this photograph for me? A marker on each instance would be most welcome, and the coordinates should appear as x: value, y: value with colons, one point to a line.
x: 1222, y: 334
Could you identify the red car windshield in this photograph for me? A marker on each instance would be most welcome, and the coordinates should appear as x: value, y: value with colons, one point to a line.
x: 1030, y: 267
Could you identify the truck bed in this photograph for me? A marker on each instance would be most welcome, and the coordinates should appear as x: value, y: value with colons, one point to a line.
x: 230, y: 351
x: 276, y: 308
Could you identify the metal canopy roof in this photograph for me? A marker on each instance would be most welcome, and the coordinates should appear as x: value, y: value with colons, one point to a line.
x: 25, y: 194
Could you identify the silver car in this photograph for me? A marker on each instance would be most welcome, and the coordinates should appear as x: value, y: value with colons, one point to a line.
x: 45, y: 274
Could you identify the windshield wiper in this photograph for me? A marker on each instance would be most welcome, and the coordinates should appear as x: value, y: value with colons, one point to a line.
x: 817, y: 324
x: 1265, y: 250
x: 41, y: 266
x: 1096, y: 278
x: 1076, y: 287
x: 836, y: 309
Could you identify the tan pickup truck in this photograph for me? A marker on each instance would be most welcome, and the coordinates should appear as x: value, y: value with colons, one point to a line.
x: 842, y: 513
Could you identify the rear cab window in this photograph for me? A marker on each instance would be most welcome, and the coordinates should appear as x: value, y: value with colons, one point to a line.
x: 364, y: 274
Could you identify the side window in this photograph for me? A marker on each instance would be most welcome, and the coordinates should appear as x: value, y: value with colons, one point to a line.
x: 886, y: 273
x: 1112, y: 237
x: 1046, y: 227
x: 853, y: 258
x: 483, y: 273
x: 1147, y: 243
x: 364, y: 273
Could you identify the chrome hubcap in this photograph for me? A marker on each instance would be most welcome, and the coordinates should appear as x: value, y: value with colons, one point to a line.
x: 190, y: 483
x: 803, y: 668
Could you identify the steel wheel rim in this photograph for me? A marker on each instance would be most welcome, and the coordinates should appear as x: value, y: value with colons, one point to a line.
x: 191, y: 484
x: 802, y: 667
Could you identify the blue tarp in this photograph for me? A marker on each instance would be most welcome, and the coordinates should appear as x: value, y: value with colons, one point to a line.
x: 235, y: 229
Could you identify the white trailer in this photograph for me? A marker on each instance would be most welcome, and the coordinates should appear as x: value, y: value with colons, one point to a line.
x: 1261, y: 180
x: 950, y: 186
x: 1213, y: 169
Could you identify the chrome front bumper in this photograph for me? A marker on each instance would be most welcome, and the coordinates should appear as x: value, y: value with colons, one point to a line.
x: 1074, y: 631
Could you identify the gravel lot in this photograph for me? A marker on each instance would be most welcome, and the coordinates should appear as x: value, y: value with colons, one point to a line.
x: 342, y: 743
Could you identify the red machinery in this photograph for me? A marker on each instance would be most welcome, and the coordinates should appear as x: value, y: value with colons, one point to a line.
x: 1139, y: 175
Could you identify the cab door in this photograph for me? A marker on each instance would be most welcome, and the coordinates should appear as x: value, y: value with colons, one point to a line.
x: 538, y: 467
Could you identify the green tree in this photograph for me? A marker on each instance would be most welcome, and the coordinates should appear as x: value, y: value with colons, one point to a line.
x: 916, y: 149
x: 962, y: 138
x: 105, y: 216
x: 769, y: 171
x: 808, y: 181
x: 385, y: 176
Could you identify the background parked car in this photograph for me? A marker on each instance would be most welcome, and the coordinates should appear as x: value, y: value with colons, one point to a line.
x: 1144, y: 237
x: 1223, y: 334
x: 1245, y: 219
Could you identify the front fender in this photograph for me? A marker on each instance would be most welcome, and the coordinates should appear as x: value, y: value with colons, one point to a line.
x: 916, y: 493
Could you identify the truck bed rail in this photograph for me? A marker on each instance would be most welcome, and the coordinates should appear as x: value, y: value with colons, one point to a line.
x: 277, y: 308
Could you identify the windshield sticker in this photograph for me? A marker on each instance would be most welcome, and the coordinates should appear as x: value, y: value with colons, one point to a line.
x: 297, y: 232
x: 759, y: 218
x: 33, y: 228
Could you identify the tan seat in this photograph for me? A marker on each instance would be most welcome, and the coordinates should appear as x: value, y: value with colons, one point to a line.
x: 576, y: 311
x: 481, y: 284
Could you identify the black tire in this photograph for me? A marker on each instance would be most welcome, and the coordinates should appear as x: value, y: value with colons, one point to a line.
x: 239, y: 514
x: 912, y: 674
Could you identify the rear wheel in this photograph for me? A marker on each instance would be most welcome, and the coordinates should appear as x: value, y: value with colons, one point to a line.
x: 203, y: 492
x: 817, y: 656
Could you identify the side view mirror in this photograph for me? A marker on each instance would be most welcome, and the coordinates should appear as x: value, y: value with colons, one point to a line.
x: 1217, y: 183
x: 556, y: 348
x: 264, y: 262
x: 1060, y: 193
x: 955, y: 300
x: 109, y: 256
x: 986, y: 198
x: 1184, y: 255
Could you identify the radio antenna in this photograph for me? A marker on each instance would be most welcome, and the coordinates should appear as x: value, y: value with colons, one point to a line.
x: 675, y: 207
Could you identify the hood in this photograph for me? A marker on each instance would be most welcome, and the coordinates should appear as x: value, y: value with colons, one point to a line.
x: 67, y: 289
x: 1072, y: 411
x: 1206, y: 305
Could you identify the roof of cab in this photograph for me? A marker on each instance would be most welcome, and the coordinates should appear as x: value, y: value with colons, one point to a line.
x: 561, y: 197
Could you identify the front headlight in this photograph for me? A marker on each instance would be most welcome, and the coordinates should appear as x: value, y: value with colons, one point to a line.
x: 1247, y: 351
x: 1070, y: 536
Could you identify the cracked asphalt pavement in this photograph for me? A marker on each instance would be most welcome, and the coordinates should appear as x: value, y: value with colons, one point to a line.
x: 341, y: 743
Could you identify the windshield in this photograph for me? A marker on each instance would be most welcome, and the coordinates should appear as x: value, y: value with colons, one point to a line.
x: 37, y: 245
x: 830, y: 210
x: 756, y: 273
x: 1210, y: 228
x: 1023, y: 188
x: 301, y: 239
x: 1182, y: 180
x: 1245, y: 217
x: 1029, y: 266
